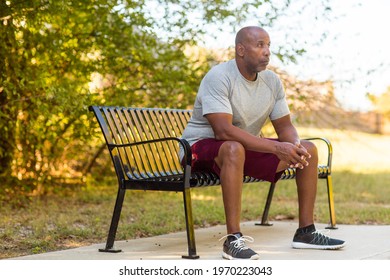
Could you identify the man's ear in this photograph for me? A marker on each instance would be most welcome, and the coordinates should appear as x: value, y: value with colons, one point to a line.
x: 240, y: 49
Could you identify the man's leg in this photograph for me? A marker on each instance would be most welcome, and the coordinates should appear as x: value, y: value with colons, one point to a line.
x: 306, y: 237
x: 307, y: 186
x: 230, y: 160
x: 306, y: 181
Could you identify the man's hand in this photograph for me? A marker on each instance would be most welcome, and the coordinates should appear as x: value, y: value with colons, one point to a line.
x: 293, y: 155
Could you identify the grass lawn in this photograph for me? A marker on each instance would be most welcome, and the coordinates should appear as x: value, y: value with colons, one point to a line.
x: 78, y: 217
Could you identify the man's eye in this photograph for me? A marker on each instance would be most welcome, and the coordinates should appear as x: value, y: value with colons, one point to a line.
x: 262, y: 45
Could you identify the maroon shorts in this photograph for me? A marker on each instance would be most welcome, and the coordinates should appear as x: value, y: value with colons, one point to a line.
x: 257, y: 165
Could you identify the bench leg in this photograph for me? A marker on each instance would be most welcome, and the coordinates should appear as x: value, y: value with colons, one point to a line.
x: 189, y: 225
x: 332, y: 225
x: 332, y: 214
x: 114, y: 223
x: 264, y: 218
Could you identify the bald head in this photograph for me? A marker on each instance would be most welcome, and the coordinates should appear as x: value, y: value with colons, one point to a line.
x: 246, y: 34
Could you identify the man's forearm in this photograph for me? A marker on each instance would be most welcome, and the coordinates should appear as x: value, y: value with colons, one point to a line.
x: 249, y: 141
x: 289, y: 134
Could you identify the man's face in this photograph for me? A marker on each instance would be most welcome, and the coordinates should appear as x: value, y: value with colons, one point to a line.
x: 256, y: 51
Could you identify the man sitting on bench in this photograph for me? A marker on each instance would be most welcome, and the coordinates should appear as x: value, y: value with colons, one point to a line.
x: 233, y: 102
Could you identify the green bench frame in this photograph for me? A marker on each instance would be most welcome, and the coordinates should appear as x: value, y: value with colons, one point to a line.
x: 143, y: 144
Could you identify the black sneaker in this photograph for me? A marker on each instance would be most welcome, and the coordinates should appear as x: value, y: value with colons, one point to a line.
x: 234, y: 247
x: 310, y: 238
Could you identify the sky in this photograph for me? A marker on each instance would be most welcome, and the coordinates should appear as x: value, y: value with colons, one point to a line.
x: 354, y: 54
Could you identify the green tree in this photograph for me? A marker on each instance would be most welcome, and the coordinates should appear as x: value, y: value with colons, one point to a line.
x: 58, y: 57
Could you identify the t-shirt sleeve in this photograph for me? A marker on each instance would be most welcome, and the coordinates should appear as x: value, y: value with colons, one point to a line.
x: 214, y: 94
x: 281, y: 106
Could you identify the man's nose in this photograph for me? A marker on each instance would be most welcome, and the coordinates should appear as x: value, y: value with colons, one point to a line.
x: 267, y: 51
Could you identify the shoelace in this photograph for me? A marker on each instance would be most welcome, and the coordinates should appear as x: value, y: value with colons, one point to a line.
x: 239, y: 243
x: 320, y: 238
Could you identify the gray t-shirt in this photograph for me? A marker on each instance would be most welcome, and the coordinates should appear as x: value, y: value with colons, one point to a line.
x: 225, y: 90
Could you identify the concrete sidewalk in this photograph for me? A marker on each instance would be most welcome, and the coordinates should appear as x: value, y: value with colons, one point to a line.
x: 272, y: 243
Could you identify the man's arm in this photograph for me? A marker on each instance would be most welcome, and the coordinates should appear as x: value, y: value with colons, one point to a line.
x: 285, y: 150
x: 285, y: 130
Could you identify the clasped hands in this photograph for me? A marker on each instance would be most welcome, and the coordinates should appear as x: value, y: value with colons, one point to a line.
x: 295, y: 155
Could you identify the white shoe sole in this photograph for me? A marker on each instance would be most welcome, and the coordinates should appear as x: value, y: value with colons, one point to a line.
x: 228, y: 257
x: 300, y: 245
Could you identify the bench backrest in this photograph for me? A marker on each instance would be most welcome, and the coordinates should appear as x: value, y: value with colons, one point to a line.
x: 127, y: 132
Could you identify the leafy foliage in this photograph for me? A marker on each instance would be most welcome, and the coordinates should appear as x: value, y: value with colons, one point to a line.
x: 58, y: 57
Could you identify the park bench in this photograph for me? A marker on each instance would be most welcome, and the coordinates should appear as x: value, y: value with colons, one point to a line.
x: 144, y: 143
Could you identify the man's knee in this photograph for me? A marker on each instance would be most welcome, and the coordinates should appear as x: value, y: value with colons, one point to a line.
x: 311, y: 148
x: 232, y: 151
